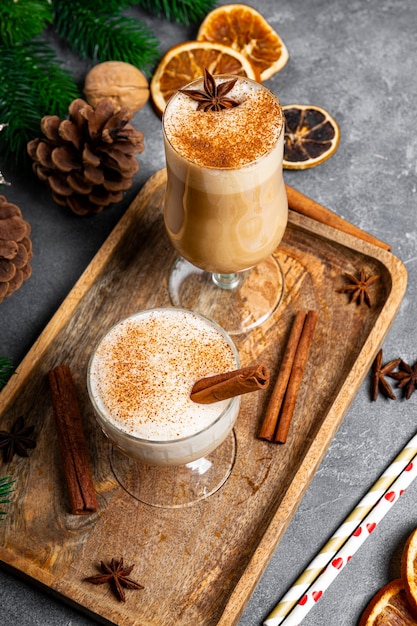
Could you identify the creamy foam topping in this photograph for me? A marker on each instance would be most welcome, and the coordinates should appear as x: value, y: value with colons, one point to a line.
x: 142, y: 373
x: 229, y: 138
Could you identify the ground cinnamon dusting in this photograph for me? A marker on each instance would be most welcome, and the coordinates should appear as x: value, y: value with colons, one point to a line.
x: 226, y: 139
x: 144, y: 370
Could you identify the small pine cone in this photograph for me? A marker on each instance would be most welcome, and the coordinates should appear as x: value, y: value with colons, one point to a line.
x: 15, y: 248
x: 88, y: 160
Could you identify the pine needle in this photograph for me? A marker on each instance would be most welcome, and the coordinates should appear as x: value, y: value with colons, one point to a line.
x: 33, y: 85
x: 106, y: 38
x: 23, y: 20
x: 6, y: 370
x: 183, y: 11
x: 6, y: 488
x: 102, y: 7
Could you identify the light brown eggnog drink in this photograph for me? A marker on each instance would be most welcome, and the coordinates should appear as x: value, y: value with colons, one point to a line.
x: 140, y: 379
x: 226, y: 206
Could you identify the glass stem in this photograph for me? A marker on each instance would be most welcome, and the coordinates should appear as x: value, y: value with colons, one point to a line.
x: 226, y: 281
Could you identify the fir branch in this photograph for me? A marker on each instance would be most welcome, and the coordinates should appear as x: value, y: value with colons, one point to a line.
x: 6, y: 370
x: 33, y: 85
x: 98, y: 7
x: 23, y: 20
x: 183, y: 11
x: 6, y: 488
x: 104, y: 38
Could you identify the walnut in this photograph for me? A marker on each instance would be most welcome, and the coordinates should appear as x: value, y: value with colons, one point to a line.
x: 120, y: 82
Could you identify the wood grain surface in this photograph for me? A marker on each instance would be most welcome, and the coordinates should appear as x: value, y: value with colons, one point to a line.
x: 198, y: 565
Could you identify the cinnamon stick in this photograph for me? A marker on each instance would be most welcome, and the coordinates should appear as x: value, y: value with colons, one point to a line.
x: 300, y: 361
x: 230, y: 384
x: 304, y: 205
x: 72, y: 444
x: 270, y: 420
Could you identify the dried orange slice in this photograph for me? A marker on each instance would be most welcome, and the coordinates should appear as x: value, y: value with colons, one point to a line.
x: 389, y: 607
x: 186, y: 61
x: 311, y: 136
x: 243, y: 28
x: 409, y: 569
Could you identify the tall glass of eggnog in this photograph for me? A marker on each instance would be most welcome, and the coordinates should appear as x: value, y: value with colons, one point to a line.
x: 167, y: 449
x: 225, y: 206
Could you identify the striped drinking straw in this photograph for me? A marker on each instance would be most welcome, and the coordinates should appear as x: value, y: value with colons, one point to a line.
x: 331, y: 559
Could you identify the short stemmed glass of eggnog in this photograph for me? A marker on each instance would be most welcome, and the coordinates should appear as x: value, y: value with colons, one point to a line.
x: 225, y: 206
x: 167, y: 450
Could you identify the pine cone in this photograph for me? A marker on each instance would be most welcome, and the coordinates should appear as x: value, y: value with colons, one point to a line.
x: 15, y: 248
x: 88, y: 160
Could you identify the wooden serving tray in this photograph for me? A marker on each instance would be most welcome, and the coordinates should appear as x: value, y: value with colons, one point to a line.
x: 200, y: 564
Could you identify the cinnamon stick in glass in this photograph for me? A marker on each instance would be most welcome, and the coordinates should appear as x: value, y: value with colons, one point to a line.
x: 72, y: 444
x: 297, y: 371
x: 230, y: 384
x: 270, y: 420
x: 304, y: 205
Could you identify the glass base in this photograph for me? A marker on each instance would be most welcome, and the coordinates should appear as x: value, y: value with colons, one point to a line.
x: 177, y: 486
x: 237, y: 302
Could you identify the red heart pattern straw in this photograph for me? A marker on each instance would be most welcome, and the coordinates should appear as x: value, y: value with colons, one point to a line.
x: 347, y: 539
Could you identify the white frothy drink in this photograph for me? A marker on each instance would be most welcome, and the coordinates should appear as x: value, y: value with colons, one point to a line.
x: 225, y: 206
x: 140, y: 379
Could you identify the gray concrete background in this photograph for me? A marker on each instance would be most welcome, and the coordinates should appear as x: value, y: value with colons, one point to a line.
x: 358, y: 60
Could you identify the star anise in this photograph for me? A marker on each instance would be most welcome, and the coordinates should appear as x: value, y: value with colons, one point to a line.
x: 379, y: 372
x: 117, y: 576
x: 17, y: 440
x: 407, y: 375
x: 213, y: 96
x: 359, y: 287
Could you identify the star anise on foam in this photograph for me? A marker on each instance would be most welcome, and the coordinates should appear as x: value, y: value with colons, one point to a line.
x: 213, y: 96
x: 379, y: 371
x: 17, y: 440
x: 359, y: 287
x: 407, y: 377
x: 117, y: 576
